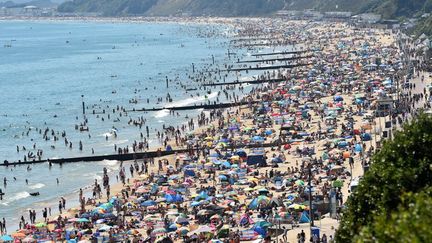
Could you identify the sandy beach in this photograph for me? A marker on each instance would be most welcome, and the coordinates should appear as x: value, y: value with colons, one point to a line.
x: 253, y: 172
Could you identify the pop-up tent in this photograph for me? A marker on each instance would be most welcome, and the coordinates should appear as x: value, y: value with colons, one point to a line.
x: 254, y: 159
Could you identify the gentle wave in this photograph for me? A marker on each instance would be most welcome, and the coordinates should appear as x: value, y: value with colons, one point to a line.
x: 107, y: 134
x: 110, y: 162
x: 191, y: 100
x: 162, y: 113
x: 37, y: 186
x: 15, y: 197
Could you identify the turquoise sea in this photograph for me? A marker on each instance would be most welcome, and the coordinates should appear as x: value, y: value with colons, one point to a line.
x: 46, y: 68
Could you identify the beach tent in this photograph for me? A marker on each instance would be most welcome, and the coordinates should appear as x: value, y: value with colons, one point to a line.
x: 173, y: 198
x: 260, y: 230
x: 358, y: 148
x: 304, y: 218
x: 256, y: 159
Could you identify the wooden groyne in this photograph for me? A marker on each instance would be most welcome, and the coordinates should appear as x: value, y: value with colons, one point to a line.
x: 276, y: 59
x: 264, y: 67
x: 279, y: 53
x: 193, y: 107
x: 259, y: 81
x: 128, y: 156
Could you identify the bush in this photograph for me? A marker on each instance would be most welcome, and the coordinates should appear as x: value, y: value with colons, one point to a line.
x: 402, y: 166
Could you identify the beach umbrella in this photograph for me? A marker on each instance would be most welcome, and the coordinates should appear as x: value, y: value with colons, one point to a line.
x: 216, y: 216
x: 216, y: 241
x: 296, y: 88
x: 159, y: 231
x: 223, y: 177
x: 241, y: 153
x: 297, y: 206
x: 263, y: 200
x: 29, y: 239
x: 338, y: 98
x: 299, y: 183
x: 18, y: 235
x: 173, y: 227
x: 342, y: 144
x: 262, y: 224
x: 6, y: 238
x: 133, y: 232
x: 151, y: 217
x: 181, y: 220
x: 202, y: 229
x: 366, y: 137
x: 82, y: 220
x: 203, y: 212
x: 108, y: 216
x: 226, y: 164
x: 40, y: 225
x: 263, y: 191
x: 307, y: 189
x: 148, y: 203
x: 183, y: 231
x: 105, y: 228
x: 338, y: 183
x: 257, y: 138
x: 194, y: 204
x: 222, y: 145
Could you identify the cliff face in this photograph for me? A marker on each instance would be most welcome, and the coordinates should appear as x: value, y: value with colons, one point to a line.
x: 388, y: 8
x: 173, y: 7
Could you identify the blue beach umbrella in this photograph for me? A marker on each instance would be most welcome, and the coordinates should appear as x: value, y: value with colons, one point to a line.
x: 241, y: 153
x: 226, y: 164
x: 258, y: 138
x: 194, y: 204
x: 148, y: 203
x: 173, y: 227
x: 338, y: 98
x: 6, y: 238
x: 83, y: 220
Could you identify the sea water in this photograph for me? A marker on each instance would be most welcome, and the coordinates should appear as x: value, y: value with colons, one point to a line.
x: 47, y: 69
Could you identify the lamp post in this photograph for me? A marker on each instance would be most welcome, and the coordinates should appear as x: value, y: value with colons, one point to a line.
x: 310, y: 197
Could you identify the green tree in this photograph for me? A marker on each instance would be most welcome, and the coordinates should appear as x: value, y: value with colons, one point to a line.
x: 403, y: 165
x: 409, y: 223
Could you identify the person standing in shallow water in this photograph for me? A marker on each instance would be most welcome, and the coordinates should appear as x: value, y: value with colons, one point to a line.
x: 60, y: 207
